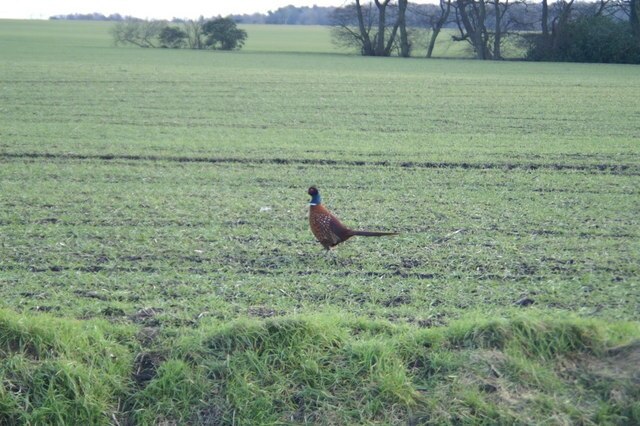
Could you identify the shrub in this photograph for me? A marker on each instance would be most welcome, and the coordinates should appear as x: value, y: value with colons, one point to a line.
x: 588, y: 39
x: 172, y: 37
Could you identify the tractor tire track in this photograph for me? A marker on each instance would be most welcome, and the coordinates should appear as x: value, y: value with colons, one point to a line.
x: 603, y: 168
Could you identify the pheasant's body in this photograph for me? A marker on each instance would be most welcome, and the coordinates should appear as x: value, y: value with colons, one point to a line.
x: 327, y: 228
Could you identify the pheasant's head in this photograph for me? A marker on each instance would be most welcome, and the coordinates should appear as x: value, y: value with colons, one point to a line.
x: 315, y: 196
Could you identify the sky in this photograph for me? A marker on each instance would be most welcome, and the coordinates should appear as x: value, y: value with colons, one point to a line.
x: 156, y: 9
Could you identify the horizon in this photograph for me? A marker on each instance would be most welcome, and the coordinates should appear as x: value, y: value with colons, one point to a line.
x: 188, y: 9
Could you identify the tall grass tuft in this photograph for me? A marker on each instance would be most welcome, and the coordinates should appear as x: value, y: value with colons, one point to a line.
x: 56, y: 371
x: 301, y: 369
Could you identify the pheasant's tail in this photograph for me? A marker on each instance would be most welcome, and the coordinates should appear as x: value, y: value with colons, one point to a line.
x: 373, y: 233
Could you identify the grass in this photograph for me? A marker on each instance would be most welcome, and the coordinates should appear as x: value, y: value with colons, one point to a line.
x: 156, y: 266
x: 334, y: 369
x: 59, y: 371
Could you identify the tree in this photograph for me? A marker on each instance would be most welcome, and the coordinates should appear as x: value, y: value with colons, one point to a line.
x: 284, y: 16
x: 220, y: 33
x: 559, y: 22
x: 634, y: 17
x: 372, y: 27
x: 485, y: 23
x: 471, y: 23
x: 137, y: 32
x: 546, y: 36
x: 194, y: 34
x: 351, y: 27
x: 602, y: 31
x: 405, y: 45
x: 436, y: 23
x: 223, y: 34
x: 501, y: 25
x: 172, y: 37
x: 591, y: 38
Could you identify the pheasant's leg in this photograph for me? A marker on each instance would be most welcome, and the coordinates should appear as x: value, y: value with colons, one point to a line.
x: 329, y: 255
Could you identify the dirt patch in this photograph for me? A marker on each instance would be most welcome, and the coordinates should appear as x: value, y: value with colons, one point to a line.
x: 45, y: 308
x: 92, y: 294
x: 397, y: 301
x: 47, y: 220
x: 34, y: 295
x: 435, y: 320
x: 146, y: 316
x: 145, y: 367
x: 488, y: 373
x: 16, y: 345
x: 524, y: 302
x: 211, y: 416
x: 620, y: 363
x: 306, y: 411
x: 111, y: 311
x: 263, y: 312
x: 148, y: 335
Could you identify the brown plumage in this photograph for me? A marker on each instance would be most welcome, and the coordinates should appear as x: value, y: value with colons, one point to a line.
x: 327, y: 228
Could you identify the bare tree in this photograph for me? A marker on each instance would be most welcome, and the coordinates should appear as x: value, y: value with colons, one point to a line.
x: 499, y: 10
x: 365, y: 28
x: 137, y: 32
x: 405, y: 45
x: 472, y: 25
x: 559, y: 21
x: 195, y: 35
x: 372, y: 27
x: 382, y: 48
x: 350, y: 32
x: 485, y: 23
x: 632, y: 9
x: 634, y: 17
x: 545, y: 22
x: 436, y: 26
x: 552, y: 19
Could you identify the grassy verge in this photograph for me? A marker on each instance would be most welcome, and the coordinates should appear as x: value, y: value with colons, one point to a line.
x: 330, y: 369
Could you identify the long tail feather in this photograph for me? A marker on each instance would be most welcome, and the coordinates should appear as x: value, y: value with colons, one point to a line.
x: 373, y: 233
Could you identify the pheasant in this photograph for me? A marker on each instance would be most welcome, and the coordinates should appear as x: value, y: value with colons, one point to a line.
x: 327, y: 228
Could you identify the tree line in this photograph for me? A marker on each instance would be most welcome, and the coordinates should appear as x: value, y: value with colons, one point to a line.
x: 216, y: 33
x: 288, y: 15
x: 563, y: 30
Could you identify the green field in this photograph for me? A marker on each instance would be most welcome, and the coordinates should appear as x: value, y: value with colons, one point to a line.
x: 154, y: 245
